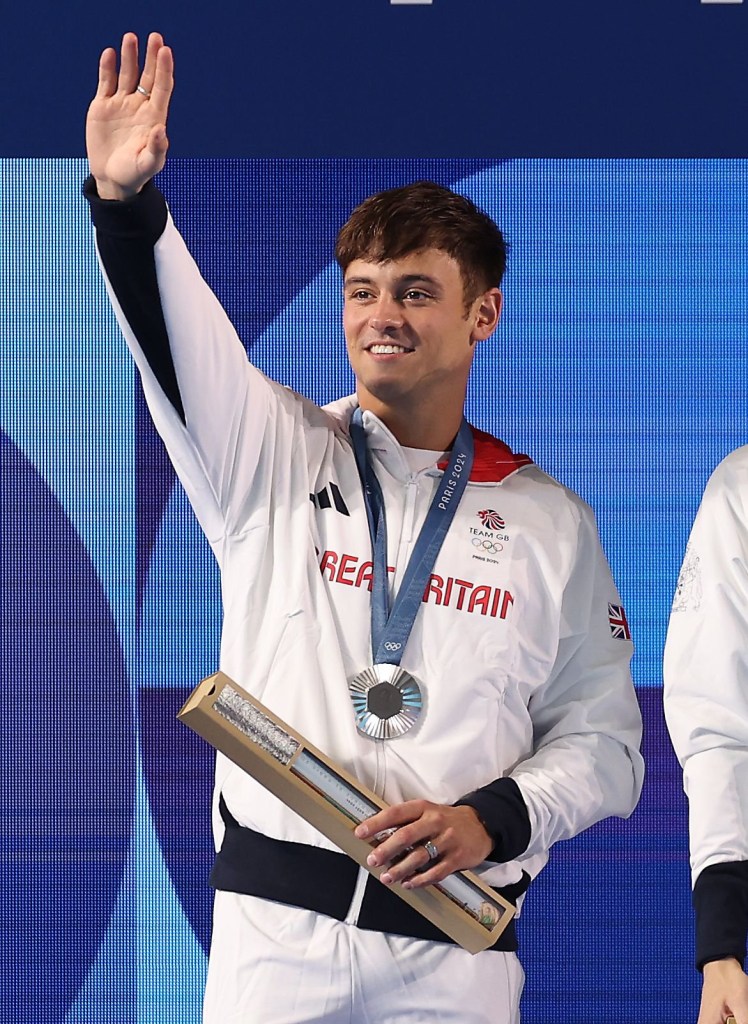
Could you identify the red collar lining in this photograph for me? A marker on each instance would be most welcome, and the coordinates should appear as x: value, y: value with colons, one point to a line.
x: 494, y: 461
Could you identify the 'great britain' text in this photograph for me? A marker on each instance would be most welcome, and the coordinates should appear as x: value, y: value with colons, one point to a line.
x: 447, y: 591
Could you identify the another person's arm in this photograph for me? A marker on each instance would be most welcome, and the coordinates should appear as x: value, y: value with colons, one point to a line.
x: 706, y: 706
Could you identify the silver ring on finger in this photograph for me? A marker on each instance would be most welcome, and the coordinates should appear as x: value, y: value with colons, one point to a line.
x: 431, y: 850
x: 142, y: 91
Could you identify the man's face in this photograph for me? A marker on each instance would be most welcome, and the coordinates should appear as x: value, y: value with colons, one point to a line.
x: 409, y: 336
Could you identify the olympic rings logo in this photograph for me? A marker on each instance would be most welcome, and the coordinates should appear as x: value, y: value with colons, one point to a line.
x: 390, y: 646
x: 491, y: 547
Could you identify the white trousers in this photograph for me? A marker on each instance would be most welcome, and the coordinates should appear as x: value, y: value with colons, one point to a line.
x: 273, y: 964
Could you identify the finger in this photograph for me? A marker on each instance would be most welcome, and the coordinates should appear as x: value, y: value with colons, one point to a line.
x: 163, y: 82
x: 430, y: 870
x: 373, y: 826
x: 152, y: 156
x: 399, y: 843
x: 407, y: 868
x: 128, y: 63
x: 713, y: 1009
x: 439, y: 864
x: 157, y: 144
x: 738, y: 1015
x: 431, y: 876
x: 406, y: 856
x: 155, y: 42
x: 387, y: 851
x: 390, y: 817
x: 107, y: 74
x: 736, y: 1007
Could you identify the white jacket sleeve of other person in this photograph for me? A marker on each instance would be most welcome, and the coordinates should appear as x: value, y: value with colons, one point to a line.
x: 706, y: 702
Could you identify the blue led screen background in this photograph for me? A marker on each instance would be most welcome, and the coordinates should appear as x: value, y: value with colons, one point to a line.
x: 619, y: 366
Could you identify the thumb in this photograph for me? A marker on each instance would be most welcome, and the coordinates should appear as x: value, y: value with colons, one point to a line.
x: 158, y: 143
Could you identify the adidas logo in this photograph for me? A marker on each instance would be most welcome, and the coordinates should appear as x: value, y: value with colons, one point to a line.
x: 330, y: 497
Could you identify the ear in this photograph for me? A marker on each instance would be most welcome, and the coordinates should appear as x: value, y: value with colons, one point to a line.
x: 485, y: 314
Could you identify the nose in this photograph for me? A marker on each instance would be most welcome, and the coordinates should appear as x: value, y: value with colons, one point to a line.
x: 386, y: 313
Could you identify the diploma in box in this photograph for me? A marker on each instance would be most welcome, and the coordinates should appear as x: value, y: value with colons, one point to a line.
x: 330, y: 799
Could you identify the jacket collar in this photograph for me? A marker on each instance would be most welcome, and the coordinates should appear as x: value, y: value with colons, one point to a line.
x: 494, y: 461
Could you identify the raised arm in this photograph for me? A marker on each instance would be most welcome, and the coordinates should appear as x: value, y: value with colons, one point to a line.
x: 221, y: 419
x: 126, y: 124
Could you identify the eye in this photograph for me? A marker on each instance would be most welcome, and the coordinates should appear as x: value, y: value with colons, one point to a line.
x: 416, y: 295
x: 360, y: 294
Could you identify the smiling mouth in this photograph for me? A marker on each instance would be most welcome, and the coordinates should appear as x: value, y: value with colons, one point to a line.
x: 388, y: 350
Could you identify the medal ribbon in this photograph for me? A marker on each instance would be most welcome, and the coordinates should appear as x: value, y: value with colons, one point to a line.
x: 390, y: 629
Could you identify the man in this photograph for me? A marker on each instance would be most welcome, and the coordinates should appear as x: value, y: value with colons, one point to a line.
x: 706, y: 705
x: 511, y: 721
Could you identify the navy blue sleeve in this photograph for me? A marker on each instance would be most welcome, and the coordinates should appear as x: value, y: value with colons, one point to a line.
x: 126, y: 234
x: 720, y: 899
x: 503, y: 813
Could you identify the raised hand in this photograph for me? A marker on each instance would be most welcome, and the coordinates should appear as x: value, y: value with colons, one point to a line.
x: 126, y: 124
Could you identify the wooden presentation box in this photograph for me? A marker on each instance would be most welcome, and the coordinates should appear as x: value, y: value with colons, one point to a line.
x: 333, y: 801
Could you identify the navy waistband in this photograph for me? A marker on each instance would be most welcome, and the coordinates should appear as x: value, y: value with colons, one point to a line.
x: 324, y: 881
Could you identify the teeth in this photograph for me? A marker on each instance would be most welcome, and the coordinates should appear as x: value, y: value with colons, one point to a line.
x: 387, y: 350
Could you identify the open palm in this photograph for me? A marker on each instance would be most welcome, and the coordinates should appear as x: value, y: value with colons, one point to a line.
x: 126, y: 124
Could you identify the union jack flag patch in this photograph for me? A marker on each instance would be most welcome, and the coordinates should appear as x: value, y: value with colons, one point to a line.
x: 619, y: 626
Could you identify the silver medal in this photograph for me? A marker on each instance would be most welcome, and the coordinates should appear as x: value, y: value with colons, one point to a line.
x: 386, y: 701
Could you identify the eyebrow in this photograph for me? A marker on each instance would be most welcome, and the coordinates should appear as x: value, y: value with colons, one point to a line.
x: 406, y: 279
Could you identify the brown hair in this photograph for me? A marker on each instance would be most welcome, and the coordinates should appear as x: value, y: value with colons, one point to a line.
x: 424, y: 215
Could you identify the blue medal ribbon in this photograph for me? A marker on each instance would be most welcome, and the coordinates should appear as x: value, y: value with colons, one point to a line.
x: 390, y: 629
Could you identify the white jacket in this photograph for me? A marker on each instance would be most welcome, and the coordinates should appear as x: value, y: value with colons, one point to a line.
x: 522, y: 670
x: 706, y: 669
